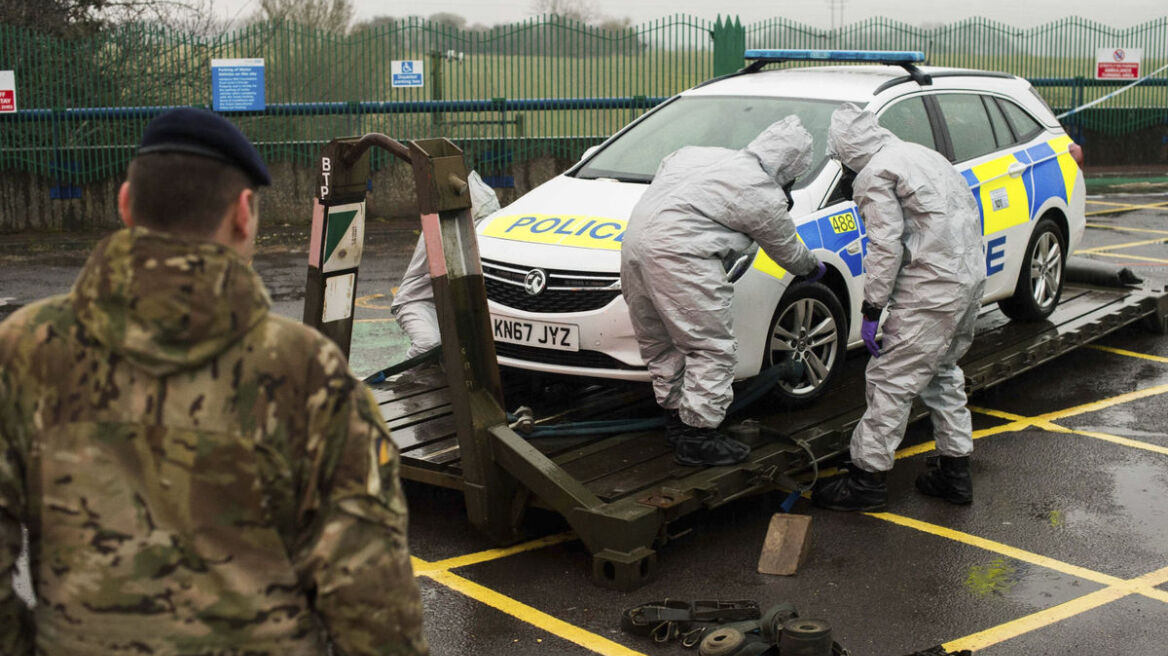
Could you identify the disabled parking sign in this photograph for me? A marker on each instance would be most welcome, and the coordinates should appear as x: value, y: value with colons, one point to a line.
x: 7, y: 92
x: 407, y: 73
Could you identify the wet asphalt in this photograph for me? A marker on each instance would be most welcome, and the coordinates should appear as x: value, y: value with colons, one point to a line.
x: 1069, y: 508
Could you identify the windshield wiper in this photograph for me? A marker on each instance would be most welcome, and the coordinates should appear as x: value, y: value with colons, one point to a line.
x: 635, y: 179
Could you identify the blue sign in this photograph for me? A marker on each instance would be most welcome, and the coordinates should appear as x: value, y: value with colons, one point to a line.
x: 237, y: 85
x: 407, y: 73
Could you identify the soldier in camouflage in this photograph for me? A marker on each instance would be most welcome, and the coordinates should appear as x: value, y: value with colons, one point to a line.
x: 197, y: 475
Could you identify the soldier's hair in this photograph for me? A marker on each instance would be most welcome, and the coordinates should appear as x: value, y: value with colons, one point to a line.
x: 184, y: 194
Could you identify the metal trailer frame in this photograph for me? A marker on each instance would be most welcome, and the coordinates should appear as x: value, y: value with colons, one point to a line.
x: 620, y: 493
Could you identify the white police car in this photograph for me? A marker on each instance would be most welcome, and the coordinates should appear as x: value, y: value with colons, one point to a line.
x: 551, y: 260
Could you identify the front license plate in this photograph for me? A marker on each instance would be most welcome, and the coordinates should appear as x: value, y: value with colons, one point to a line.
x: 559, y: 336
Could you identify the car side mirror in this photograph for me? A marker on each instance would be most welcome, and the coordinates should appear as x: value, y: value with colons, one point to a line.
x: 589, y: 152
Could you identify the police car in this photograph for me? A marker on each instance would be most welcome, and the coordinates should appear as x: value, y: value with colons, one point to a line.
x: 551, y: 260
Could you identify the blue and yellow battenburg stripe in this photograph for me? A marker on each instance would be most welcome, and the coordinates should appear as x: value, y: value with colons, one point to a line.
x: 832, y: 232
x: 1005, y: 201
x: 559, y: 229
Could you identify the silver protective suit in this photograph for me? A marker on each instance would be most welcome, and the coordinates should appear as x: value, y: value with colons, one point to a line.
x: 705, y: 207
x: 925, y: 265
x: 413, y: 303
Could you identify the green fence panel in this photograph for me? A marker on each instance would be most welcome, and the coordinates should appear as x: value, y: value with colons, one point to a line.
x: 546, y: 57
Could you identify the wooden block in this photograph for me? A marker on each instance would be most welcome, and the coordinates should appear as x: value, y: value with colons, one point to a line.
x: 787, y: 541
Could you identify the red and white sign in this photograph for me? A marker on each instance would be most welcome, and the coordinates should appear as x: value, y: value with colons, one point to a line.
x: 1118, y: 63
x: 7, y: 91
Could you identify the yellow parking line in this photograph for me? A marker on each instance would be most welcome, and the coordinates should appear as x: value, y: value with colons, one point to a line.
x: 1130, y: 354
x: 1120, y: 207
x: 999, y: 548
x: 1103, y: 226
x: 364, y: 302
x: 440, y: 573
x: 1115, y: 204
x: 926, y: 447
x: 495, y: 554
x: 1117, y: 588
x: 1144, y: 585
x: 1042, y: 618
x: 1115, y: 439
x: 532, y: 616
x: 1000, y: 414
x: 1129, y: 244
x: 1129, y: 256
x: 1102, y: 404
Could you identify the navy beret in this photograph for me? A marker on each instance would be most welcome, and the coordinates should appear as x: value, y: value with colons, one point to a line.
x: 199, y: 132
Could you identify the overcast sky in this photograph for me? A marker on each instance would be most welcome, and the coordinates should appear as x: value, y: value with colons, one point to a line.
x: 1020, y: 13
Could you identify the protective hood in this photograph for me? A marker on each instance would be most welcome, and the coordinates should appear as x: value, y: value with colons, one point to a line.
x: 783, y: 149
x: 165, y: 303
x: 855, y: 136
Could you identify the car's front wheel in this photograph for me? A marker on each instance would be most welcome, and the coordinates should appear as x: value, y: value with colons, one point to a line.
x: 1040, y: 282
x: 808, y: 326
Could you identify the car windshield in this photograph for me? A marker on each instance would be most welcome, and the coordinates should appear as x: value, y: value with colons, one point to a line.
x: 725, y: 121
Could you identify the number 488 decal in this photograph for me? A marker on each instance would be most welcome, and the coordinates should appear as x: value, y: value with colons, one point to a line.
x: 842, y: 223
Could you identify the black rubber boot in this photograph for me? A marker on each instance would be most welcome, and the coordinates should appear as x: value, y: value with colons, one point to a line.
x: 674, y: 427
x: 700, y: 447
x: 856, y: 490
x: 947, y: 478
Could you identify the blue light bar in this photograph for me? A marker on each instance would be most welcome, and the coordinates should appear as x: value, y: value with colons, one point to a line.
x: 877, y: 56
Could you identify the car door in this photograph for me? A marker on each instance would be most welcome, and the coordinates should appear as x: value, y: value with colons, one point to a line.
x: 986, y: 151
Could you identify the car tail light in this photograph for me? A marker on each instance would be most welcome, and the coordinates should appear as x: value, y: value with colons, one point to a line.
x: 1076, y: 152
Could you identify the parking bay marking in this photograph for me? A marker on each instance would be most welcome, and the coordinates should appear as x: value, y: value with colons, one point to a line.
x: 1100, y: 250
x: 1117, y: 588
x: 440, y: 573
x: 1130, y: 354
x: 1122, y: 207
x: 1120, y: 228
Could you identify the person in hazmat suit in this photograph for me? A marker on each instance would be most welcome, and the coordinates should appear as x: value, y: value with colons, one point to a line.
x: 705, y: 207
x: 413, y: 303
x: 925, y: 267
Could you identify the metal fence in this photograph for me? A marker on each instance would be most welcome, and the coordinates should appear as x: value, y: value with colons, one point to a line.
x: 542, y: 86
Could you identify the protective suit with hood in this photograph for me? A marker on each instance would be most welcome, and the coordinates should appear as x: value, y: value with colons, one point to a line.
x: 704, y: 207
x: 925, y: 266
x: 197, y: 474
x: 413, y: 303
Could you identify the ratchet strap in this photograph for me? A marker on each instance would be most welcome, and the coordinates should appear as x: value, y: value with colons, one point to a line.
x: 726, y: 628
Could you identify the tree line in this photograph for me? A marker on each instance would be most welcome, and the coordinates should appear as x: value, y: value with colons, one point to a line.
x: 83, y: 18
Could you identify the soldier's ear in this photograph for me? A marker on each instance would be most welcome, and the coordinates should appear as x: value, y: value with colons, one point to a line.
x: 243, y: 224
x: 124, y: 204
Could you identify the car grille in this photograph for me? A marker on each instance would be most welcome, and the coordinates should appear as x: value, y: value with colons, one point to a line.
x: 586, y: 359
x: 566, y: 291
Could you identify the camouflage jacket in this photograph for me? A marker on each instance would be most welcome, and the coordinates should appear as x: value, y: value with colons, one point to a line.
x: 197, y: 475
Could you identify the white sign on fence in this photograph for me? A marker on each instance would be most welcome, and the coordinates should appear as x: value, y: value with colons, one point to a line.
x: 407, y: 73
x: 7, y: 91
x: 1118, y: 63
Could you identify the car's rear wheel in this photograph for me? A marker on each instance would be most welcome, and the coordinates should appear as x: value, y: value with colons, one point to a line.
x: 808, y: 326
x: 1040, y: 282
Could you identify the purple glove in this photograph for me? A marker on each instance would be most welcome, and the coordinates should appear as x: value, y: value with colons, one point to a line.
x: 868, y: 333
x: 814, y: 276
